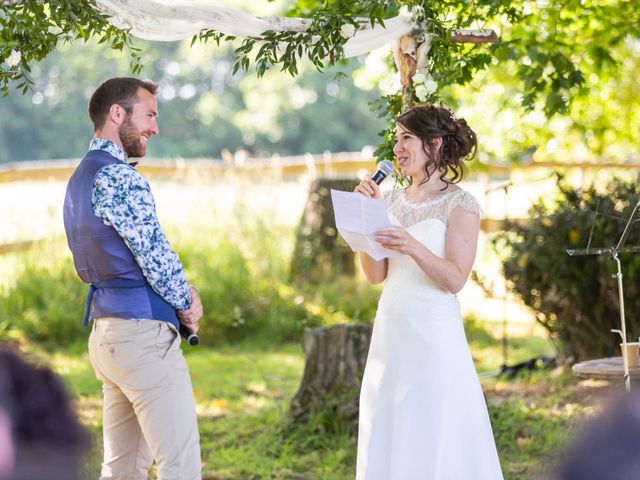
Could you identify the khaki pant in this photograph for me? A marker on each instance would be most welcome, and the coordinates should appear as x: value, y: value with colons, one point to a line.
x: 149, y: 410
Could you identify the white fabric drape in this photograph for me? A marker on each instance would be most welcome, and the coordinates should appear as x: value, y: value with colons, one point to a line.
x: 164, y: 20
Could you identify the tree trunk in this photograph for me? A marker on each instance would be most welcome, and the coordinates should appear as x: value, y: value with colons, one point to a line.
x: 407, y: 68
x: 330, y: 386
x: 319, y: 252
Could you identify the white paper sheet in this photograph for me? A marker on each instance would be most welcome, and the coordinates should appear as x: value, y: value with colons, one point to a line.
x: 358, y: 218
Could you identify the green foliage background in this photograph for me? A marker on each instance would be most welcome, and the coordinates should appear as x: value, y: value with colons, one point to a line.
x: 561, y: 80
x: 203, y: 107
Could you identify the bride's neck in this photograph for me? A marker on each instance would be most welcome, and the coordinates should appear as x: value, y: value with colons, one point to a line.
x: 427, y: 184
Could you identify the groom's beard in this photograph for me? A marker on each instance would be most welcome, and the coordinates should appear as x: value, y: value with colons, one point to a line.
x: 130, y: 137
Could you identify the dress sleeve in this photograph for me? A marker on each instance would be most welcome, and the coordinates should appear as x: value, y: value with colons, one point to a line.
x: 465, y: 200
x: 122, y: 198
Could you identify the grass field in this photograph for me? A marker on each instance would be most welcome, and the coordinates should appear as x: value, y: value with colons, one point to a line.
x: 243, y: 392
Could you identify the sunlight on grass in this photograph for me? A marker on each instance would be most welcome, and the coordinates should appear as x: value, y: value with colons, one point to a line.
x: 242, y: 396
x: 213, y: 408
x: 90, y: 410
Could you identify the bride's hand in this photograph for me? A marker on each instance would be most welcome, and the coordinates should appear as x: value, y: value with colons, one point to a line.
x: 397, y: 239
x: 368, y: 188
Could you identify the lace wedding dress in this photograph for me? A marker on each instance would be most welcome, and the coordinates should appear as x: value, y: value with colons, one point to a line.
x: 422, y: 412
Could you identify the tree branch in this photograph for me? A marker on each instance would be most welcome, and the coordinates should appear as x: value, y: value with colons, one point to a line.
x: 474, y: 36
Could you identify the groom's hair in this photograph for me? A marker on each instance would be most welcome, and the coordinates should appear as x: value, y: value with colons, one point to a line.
x: 121, y: 91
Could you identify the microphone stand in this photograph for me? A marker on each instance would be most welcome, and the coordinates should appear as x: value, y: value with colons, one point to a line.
x: 615, y: 252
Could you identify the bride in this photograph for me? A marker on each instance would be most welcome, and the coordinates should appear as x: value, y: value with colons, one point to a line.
x: 422, y: 412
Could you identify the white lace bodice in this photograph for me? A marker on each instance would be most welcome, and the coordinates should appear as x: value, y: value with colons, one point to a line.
x: 408, y: 213
x: 427, y: 223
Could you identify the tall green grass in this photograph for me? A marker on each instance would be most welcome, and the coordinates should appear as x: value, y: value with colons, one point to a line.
x: 242, y: 275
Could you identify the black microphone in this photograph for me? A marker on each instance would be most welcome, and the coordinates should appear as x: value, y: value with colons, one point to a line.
x: 191, y: 338
x: 385, y: 168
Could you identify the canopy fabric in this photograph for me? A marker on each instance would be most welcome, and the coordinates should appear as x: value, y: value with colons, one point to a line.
x: 168, y: 20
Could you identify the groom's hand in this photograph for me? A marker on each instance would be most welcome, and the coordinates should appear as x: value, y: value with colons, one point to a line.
x: 190, y: 317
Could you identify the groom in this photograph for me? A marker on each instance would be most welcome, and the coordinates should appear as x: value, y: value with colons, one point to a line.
x: 138, y: 291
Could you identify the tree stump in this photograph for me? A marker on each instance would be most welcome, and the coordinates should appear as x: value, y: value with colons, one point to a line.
x: 330, y: 386
x: 319, y: 252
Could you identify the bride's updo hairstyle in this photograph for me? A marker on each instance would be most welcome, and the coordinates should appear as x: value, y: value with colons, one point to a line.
x: 459, y: 143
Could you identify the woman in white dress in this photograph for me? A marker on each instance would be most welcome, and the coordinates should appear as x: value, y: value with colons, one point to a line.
x: 422, y: 412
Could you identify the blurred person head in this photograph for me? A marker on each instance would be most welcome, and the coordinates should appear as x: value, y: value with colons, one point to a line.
x: 46, y: 437
x: 7, y: 450
x: 430, y: 140
x: 125, y: 110
x: 608, y: 447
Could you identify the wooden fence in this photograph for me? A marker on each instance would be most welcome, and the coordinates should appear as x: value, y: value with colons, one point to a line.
x: 339, y: 164
x: 323, y: 164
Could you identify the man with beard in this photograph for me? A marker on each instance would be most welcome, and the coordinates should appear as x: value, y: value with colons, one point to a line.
x: 138, y: 291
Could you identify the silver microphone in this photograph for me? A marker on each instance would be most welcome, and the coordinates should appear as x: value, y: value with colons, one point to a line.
x: 385, y: 168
